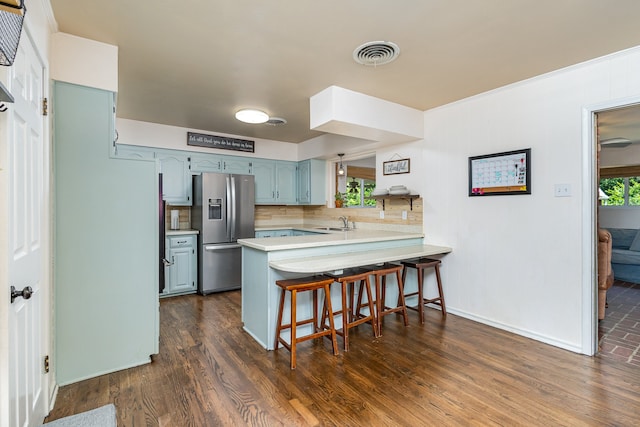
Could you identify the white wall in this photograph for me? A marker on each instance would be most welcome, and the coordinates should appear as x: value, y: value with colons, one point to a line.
x: 146, y: 134
x: 517, y: 261
x: 619, y: 216
x: 84, y: 62
x: 414, y: 179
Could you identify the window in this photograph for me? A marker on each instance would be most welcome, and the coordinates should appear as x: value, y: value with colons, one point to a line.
x: 358, y: 193
x: 356, y: 185
x: 621, y: 191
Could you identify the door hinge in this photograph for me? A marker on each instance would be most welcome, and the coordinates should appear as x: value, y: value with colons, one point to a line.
x: 45, y: 107
x: 46, y: 364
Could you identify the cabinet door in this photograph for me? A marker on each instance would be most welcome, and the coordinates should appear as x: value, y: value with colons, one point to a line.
x: 181, y: 274
x: 124, y: 151
x: 304, y: 182
x: 232, y: 164
x: 205, y: 163
x: 176, y: 177
x: 265, y: 179
x: 286, y: 184
x: 317, y: 182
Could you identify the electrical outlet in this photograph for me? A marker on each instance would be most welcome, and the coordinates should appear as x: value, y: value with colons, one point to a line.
x: 381, y: 214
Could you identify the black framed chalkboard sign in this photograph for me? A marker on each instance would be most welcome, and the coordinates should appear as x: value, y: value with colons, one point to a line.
x: 500, y: 174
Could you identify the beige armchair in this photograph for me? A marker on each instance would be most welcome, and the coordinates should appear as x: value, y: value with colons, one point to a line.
x: 605, y: 273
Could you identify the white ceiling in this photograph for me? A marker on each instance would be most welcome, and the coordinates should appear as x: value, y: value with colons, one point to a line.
x: 193, y: 64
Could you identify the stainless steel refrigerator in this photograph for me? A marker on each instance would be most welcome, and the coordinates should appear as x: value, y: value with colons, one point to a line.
x: 223, y: 212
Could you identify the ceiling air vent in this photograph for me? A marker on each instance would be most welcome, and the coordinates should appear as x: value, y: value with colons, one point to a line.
x: 376, y: 53
x: 276, y: 121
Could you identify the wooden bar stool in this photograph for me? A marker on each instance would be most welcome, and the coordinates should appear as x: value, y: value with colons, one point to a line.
x: 420, y: 265
x: 380, y: 273
x: 347, y: 280
x: 303, y: 284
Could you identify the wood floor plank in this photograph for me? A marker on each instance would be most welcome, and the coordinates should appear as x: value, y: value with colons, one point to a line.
x: 444, y: 372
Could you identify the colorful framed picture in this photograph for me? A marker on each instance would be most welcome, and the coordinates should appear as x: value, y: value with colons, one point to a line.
x: 500, y: 174
x: 396, y: 166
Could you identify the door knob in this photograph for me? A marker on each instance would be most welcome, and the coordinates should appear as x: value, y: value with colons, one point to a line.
x: 25, y: 293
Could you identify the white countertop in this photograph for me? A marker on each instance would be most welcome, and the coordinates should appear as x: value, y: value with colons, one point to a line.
x: 325, y: 263
x: 328, y: 239
x: 181, y: 232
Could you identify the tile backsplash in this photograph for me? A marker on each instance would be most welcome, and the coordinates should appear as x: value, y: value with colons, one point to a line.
x: 184, y: 213
x: 365, y: 218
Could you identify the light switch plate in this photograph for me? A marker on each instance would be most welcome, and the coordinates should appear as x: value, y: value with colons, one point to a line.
x: 562, y: 190
x: 381, y: 214
x: 404, y: 214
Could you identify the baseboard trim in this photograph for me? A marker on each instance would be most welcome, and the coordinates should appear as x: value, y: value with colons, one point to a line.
x: 576, y: 348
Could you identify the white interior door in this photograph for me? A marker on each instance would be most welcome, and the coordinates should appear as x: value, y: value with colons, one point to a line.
x: 27, y: 240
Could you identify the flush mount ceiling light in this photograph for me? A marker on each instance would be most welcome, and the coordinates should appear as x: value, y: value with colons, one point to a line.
x: 252, y: 116
x: 376, y: 53
x: 341, y: 167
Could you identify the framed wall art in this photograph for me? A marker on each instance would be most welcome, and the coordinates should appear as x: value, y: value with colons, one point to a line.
x: 499, y: 174
x: 396, y: 166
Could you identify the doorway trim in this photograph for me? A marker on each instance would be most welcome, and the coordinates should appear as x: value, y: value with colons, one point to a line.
x: 589, y: 217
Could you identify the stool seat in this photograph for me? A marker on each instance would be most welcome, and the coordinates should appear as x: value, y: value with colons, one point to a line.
x: 303, y: 284
x: 420, y: 264
x: 350, y: 317
x: 380, y: 273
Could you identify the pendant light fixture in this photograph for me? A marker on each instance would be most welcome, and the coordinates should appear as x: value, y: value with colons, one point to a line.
x: 341, y: 167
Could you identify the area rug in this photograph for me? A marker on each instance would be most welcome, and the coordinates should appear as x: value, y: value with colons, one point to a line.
x: 104, y: 416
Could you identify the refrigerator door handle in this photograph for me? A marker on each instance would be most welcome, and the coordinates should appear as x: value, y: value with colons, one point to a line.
x: 234, y: 210
x: 211, y: 248
x: 229, y: 208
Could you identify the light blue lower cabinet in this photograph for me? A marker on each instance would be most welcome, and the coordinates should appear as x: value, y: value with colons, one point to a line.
x: 180, y: 275
x: 274, y: 233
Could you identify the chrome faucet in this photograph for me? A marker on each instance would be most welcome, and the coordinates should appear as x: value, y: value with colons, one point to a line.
x: 345, y: 221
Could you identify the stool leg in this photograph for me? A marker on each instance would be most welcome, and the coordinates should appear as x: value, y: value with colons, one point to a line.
x: 316, y: 325
x: 444, y: 308
x: 345, y: 316
x: 279, y: 325
x: 372, y: 311
x: 404, y: 276
x: 334, y: 339
x: 379, y: 305
x: 420, y: 274
x: 402, y: 302
x: 293, y: 328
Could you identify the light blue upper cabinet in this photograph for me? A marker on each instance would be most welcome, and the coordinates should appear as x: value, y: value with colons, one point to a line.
x: 241, y: 165
x: 265, y: 179
x: 205, y: 163
x: 311, y: 182
x: 276, y: 182
x: 286, y: 182
x: 134, y: 152
x: 202, y: 162
x: 176, y: 177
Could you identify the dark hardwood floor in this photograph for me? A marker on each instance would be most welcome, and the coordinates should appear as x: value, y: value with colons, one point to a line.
x: 446, y: 372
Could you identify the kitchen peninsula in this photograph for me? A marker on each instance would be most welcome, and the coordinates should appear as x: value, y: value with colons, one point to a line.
x: 265, y: 260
